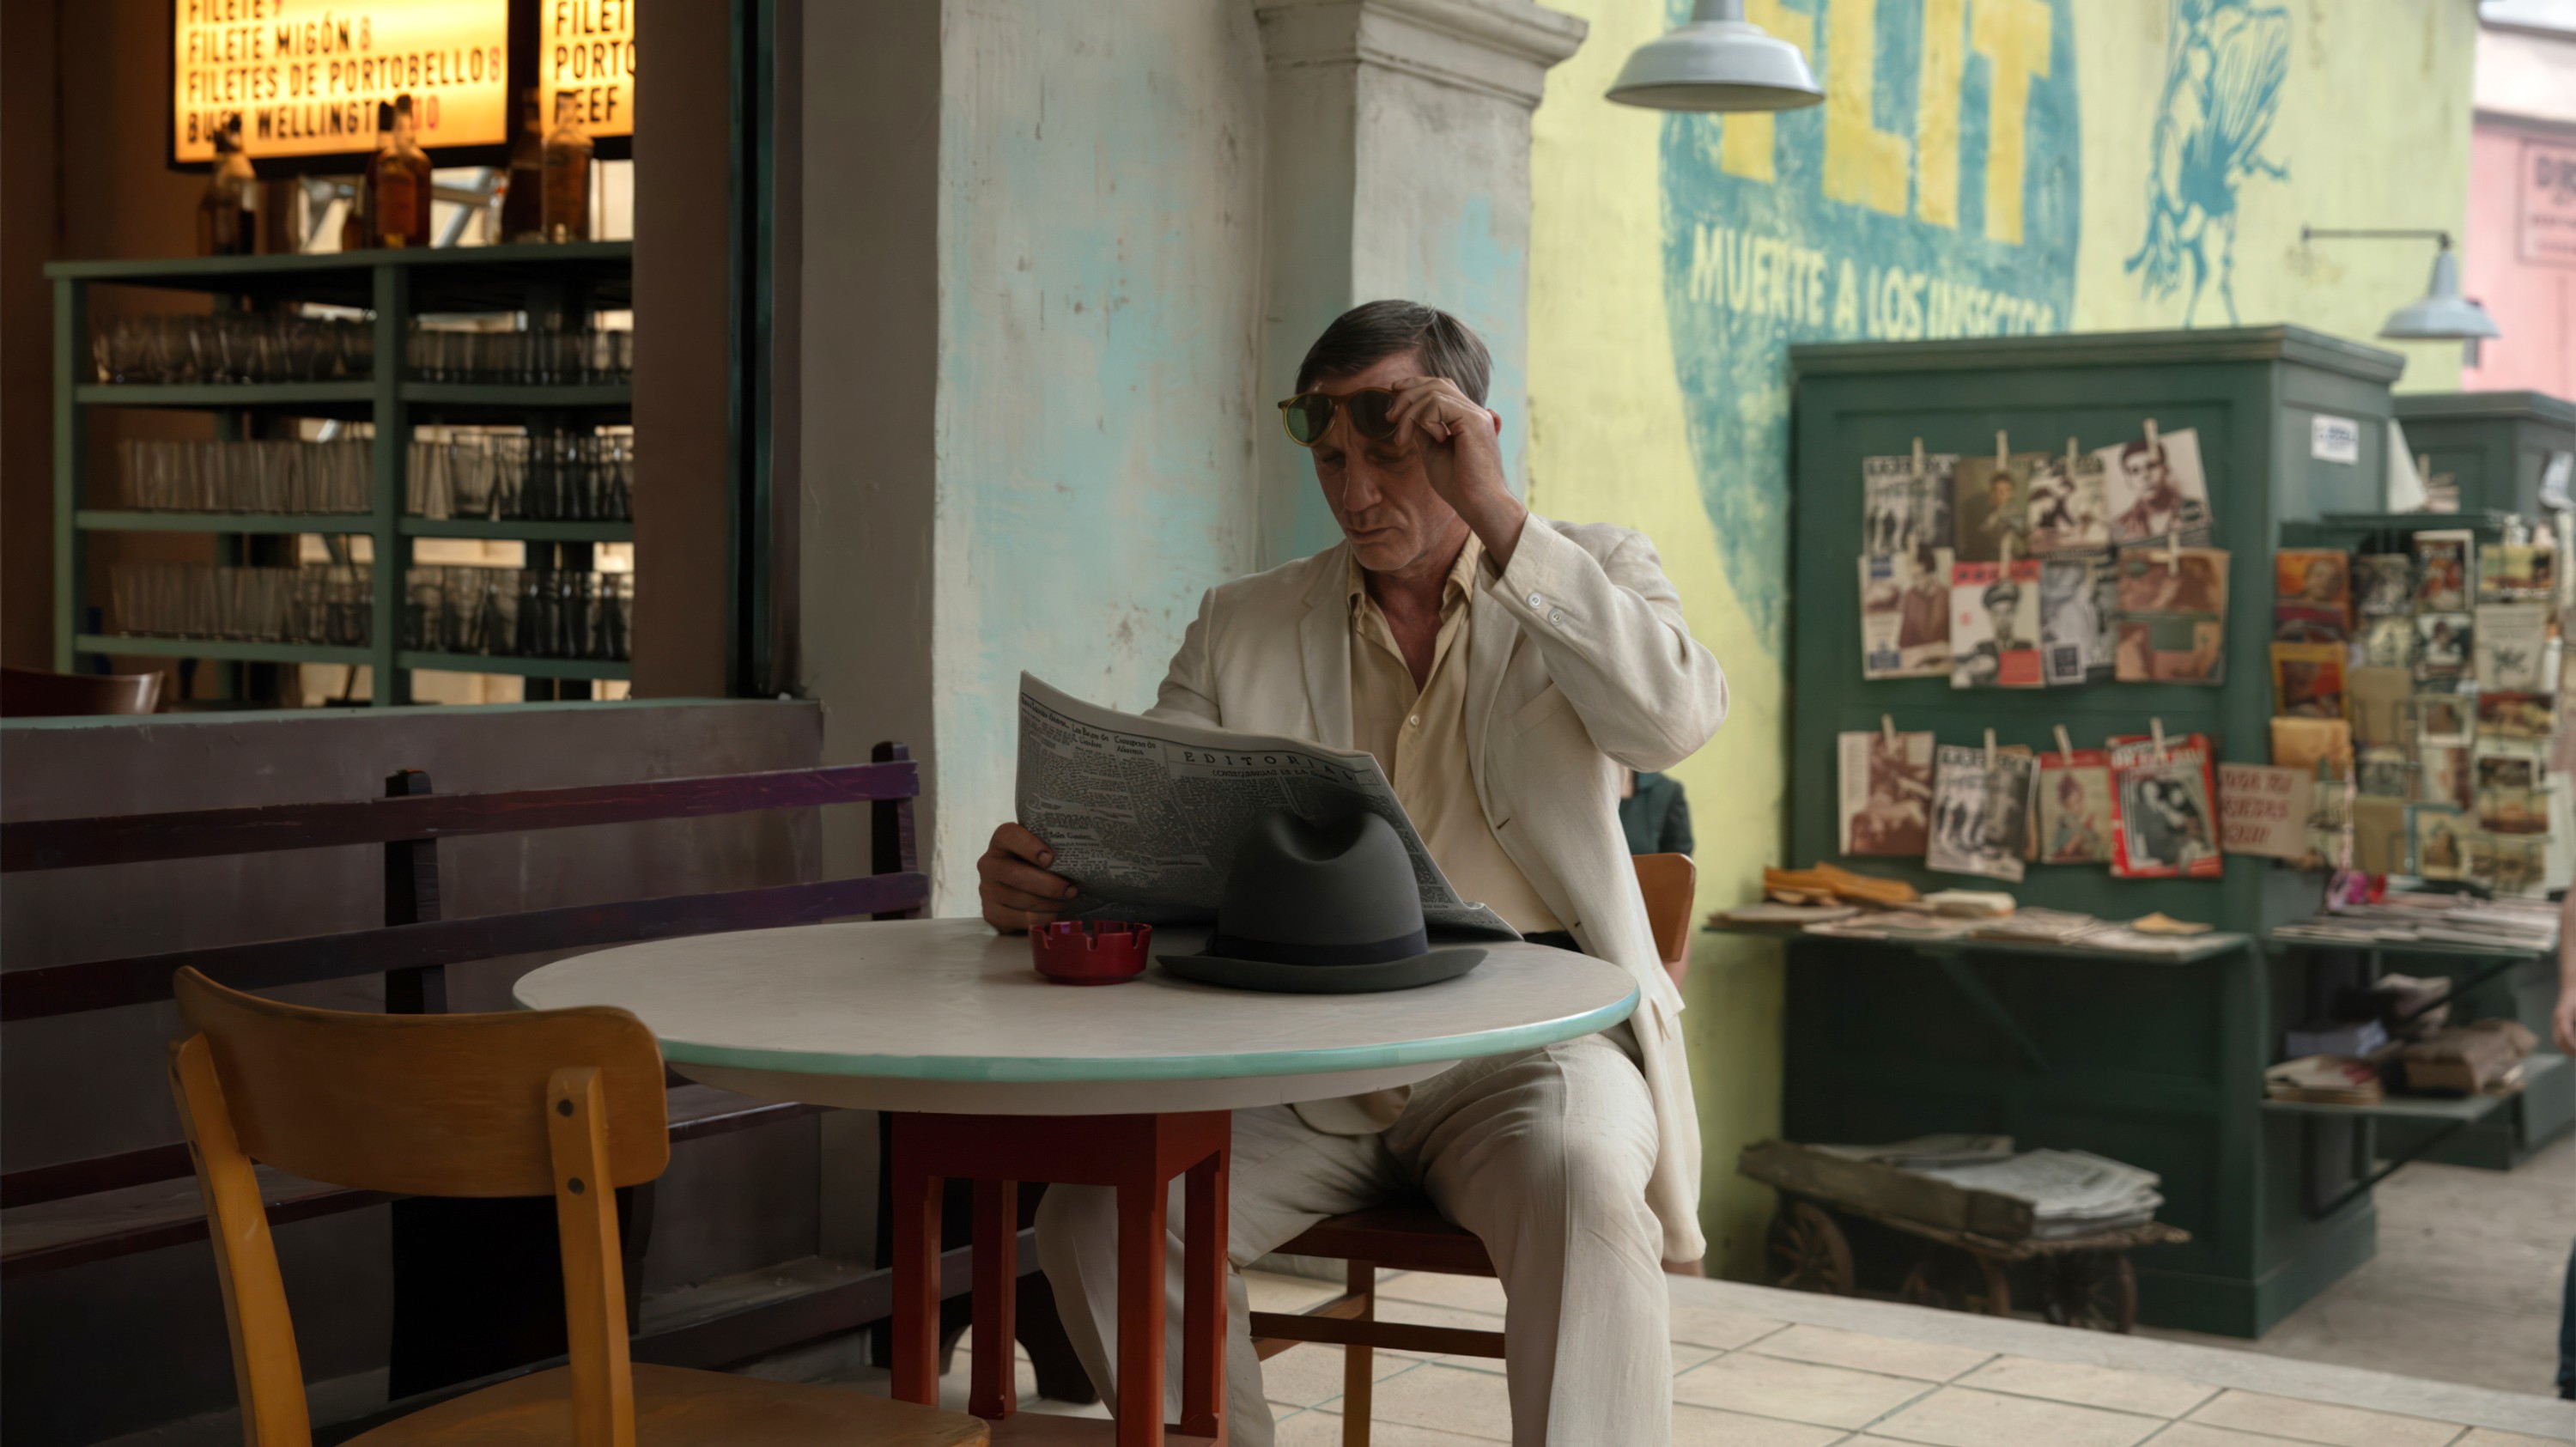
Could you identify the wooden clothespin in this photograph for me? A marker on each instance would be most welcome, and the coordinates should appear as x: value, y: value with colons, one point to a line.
x: 2157, y: 726
x: 1990, y: 750
x: 2151, y: 434
x: 2070, y: 457
x: 2173, y: 551
x: 1887, y: 726
x: 2424, y: 468
x: 2003, y: 450
x: 2065, y: 746
x: 1918, y: 457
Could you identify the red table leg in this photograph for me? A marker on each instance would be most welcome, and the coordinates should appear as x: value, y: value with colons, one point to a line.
x: 916, y: 1276
x: 1138, y: 1156
x: 1203, y: 1300
x: 997, y: 1289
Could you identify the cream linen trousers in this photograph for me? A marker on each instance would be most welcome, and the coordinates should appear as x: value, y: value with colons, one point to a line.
x: 1544, y: 1155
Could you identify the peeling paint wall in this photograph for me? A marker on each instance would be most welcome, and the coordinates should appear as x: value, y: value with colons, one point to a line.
x: 1100, y: 332
x: 1979, y: 166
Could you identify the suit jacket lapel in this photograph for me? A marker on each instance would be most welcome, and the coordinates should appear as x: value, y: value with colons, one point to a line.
x: 1324, y: 638
x: 1491, y: 632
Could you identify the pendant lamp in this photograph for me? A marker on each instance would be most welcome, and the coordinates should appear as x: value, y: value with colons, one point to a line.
x: 1718, y: 62
x: 2441, y: 314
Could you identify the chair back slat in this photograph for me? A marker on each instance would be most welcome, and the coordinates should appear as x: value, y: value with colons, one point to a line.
x: 266, y: 1369
x: 1669, y: 881
x: 141, y: 979
x: 199, y: 833
x: 424, y: 1105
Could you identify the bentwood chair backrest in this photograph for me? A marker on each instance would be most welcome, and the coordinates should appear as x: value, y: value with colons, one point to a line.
x: 561, y: 1103
x: 30, y: 693
x: 1668, y: 881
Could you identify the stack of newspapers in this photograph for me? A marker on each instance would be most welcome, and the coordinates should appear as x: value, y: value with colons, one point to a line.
x: 2072, y: 1193
x: 2435, y: 919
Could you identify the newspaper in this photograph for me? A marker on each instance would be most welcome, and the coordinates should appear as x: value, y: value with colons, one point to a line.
x: 1144, y: 814
x: 2073, y: 1193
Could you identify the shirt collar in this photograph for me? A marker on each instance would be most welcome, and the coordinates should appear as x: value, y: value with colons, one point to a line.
x: 1461, y: 582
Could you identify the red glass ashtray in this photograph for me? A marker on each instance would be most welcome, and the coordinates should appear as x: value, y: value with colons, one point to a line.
x: 1090, y: 951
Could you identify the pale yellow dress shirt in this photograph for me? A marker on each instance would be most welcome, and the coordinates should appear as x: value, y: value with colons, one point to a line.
x: 1419, y: 737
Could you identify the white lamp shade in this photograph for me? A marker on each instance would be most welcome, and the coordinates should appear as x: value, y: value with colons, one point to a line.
x: 1718, y: 62
x: 2443, y: 315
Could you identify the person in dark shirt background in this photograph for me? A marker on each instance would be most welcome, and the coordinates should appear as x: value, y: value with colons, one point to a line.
x: 1656, y: 815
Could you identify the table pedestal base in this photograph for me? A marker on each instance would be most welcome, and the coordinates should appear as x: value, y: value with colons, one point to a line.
x: 1138, y: 1156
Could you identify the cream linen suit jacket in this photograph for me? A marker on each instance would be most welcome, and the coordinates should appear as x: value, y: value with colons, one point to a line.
x: 1578, y: 664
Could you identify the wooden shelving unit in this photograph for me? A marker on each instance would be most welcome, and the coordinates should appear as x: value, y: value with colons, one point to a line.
x: 568, y: 282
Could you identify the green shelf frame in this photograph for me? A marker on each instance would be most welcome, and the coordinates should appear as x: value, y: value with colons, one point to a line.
x: 125, y: 645
x: 530, y: 530
x: 2463, y: 1109
x: 588, y: 668
x: 396, y: 286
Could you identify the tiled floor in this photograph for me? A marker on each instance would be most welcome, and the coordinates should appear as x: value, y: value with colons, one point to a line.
x: 1755, y: 1367
x: 2464, y: 1288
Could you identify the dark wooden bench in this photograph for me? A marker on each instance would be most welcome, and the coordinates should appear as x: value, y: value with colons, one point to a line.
x: 62, y: 1215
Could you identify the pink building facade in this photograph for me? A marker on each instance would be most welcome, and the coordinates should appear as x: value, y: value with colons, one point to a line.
x: 2519, y: 255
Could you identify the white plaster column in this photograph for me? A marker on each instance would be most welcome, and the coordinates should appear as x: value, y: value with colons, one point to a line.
x: 1397, y: 165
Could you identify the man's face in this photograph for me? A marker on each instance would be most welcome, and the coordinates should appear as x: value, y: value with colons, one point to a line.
x: 1999, y: 492
x: 1379, y: 491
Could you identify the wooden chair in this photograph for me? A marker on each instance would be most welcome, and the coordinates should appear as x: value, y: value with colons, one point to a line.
x: 28, y: 693
x: 1412, y: 1235
x: 560, y: 1103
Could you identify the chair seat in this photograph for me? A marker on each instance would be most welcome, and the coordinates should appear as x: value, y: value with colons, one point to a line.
x: 1403, y: 1235
x: 676, y: 1407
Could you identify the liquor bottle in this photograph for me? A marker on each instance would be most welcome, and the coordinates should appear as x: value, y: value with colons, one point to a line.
x: 567, y: 167
x: 523, y: 205
x: 358, y: 227
x: 398, y: 184
x: 228, y: 214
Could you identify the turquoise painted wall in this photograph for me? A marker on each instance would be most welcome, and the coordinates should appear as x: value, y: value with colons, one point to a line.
x: 1100, y: 323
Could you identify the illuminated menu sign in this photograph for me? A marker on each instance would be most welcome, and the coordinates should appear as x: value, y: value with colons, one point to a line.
x: 586, y: 50
x: 306, y: 77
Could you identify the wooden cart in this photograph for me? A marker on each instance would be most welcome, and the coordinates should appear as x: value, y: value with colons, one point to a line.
x: 1973, y: 1239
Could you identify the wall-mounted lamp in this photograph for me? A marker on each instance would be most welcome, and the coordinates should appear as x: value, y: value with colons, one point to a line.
x: 1718, y: 62
x: 2442, y: 314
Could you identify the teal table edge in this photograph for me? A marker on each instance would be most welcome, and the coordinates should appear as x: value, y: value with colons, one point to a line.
x: 1041, y: 1069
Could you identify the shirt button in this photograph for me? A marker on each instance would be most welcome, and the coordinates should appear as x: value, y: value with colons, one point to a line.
x: 1533, y: 600
x: 1556, y: 616
x: 1414, y: 722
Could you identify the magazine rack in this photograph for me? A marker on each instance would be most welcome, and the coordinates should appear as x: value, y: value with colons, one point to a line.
x: 2153, y: 1063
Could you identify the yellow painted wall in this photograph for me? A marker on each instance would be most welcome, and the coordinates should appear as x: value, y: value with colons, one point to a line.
x: 2371, y: 124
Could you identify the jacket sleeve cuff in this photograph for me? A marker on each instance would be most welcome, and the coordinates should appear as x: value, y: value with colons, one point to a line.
x: 1548, y: 574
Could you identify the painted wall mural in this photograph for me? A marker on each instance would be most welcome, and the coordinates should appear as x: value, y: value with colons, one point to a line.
x: 2224, y: 72
x: 1937, y: 192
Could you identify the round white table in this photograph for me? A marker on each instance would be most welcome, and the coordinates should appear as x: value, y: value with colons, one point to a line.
x: 998, y: 1075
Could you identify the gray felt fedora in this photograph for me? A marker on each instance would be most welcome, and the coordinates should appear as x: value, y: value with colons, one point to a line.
x: 1321, y: 909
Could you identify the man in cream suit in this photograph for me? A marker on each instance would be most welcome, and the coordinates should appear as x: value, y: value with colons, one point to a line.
x: 1504, y: 669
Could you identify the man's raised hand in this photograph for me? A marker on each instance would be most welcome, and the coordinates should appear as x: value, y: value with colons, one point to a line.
x: 1013, y: 882
x: 1463, y: 457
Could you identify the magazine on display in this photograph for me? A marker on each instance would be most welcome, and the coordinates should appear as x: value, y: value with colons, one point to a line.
x: 2511, y: 647
x: 1904, y: 508
x: 2078, y: 620
x: 1981, y: 814
x: 2509, y: 799
x: 2308, y: 680
x: 2444, y: 718
x: 2075, y: 807
x: 2377, y: 701
x: 2311, y: 598
x: 2442, y: 775
x: 2438, y: 839
x: 1905, y: 614
x: 1994, y: 625
x: 2523, y: 716
x: 1885, y: 795
x: 2442, y: 645
x: 2164, y: 802
x: 2512, y: 865
x: 2442, y: 570
x: 2069, y: 512
x: 2173, y: 615
x: 2383, y: 585
x: 2155, y: 488
x: 2385, y: 771
x: 2517, y: 573
x: 2317, y: 744
x: 2388, y: 642
x: 1990, y: 506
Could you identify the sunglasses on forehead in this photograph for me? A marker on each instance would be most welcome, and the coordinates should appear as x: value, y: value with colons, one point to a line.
x: 1308, y: 414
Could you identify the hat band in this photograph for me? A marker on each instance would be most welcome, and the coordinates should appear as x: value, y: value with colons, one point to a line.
x: 1375, y: 952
